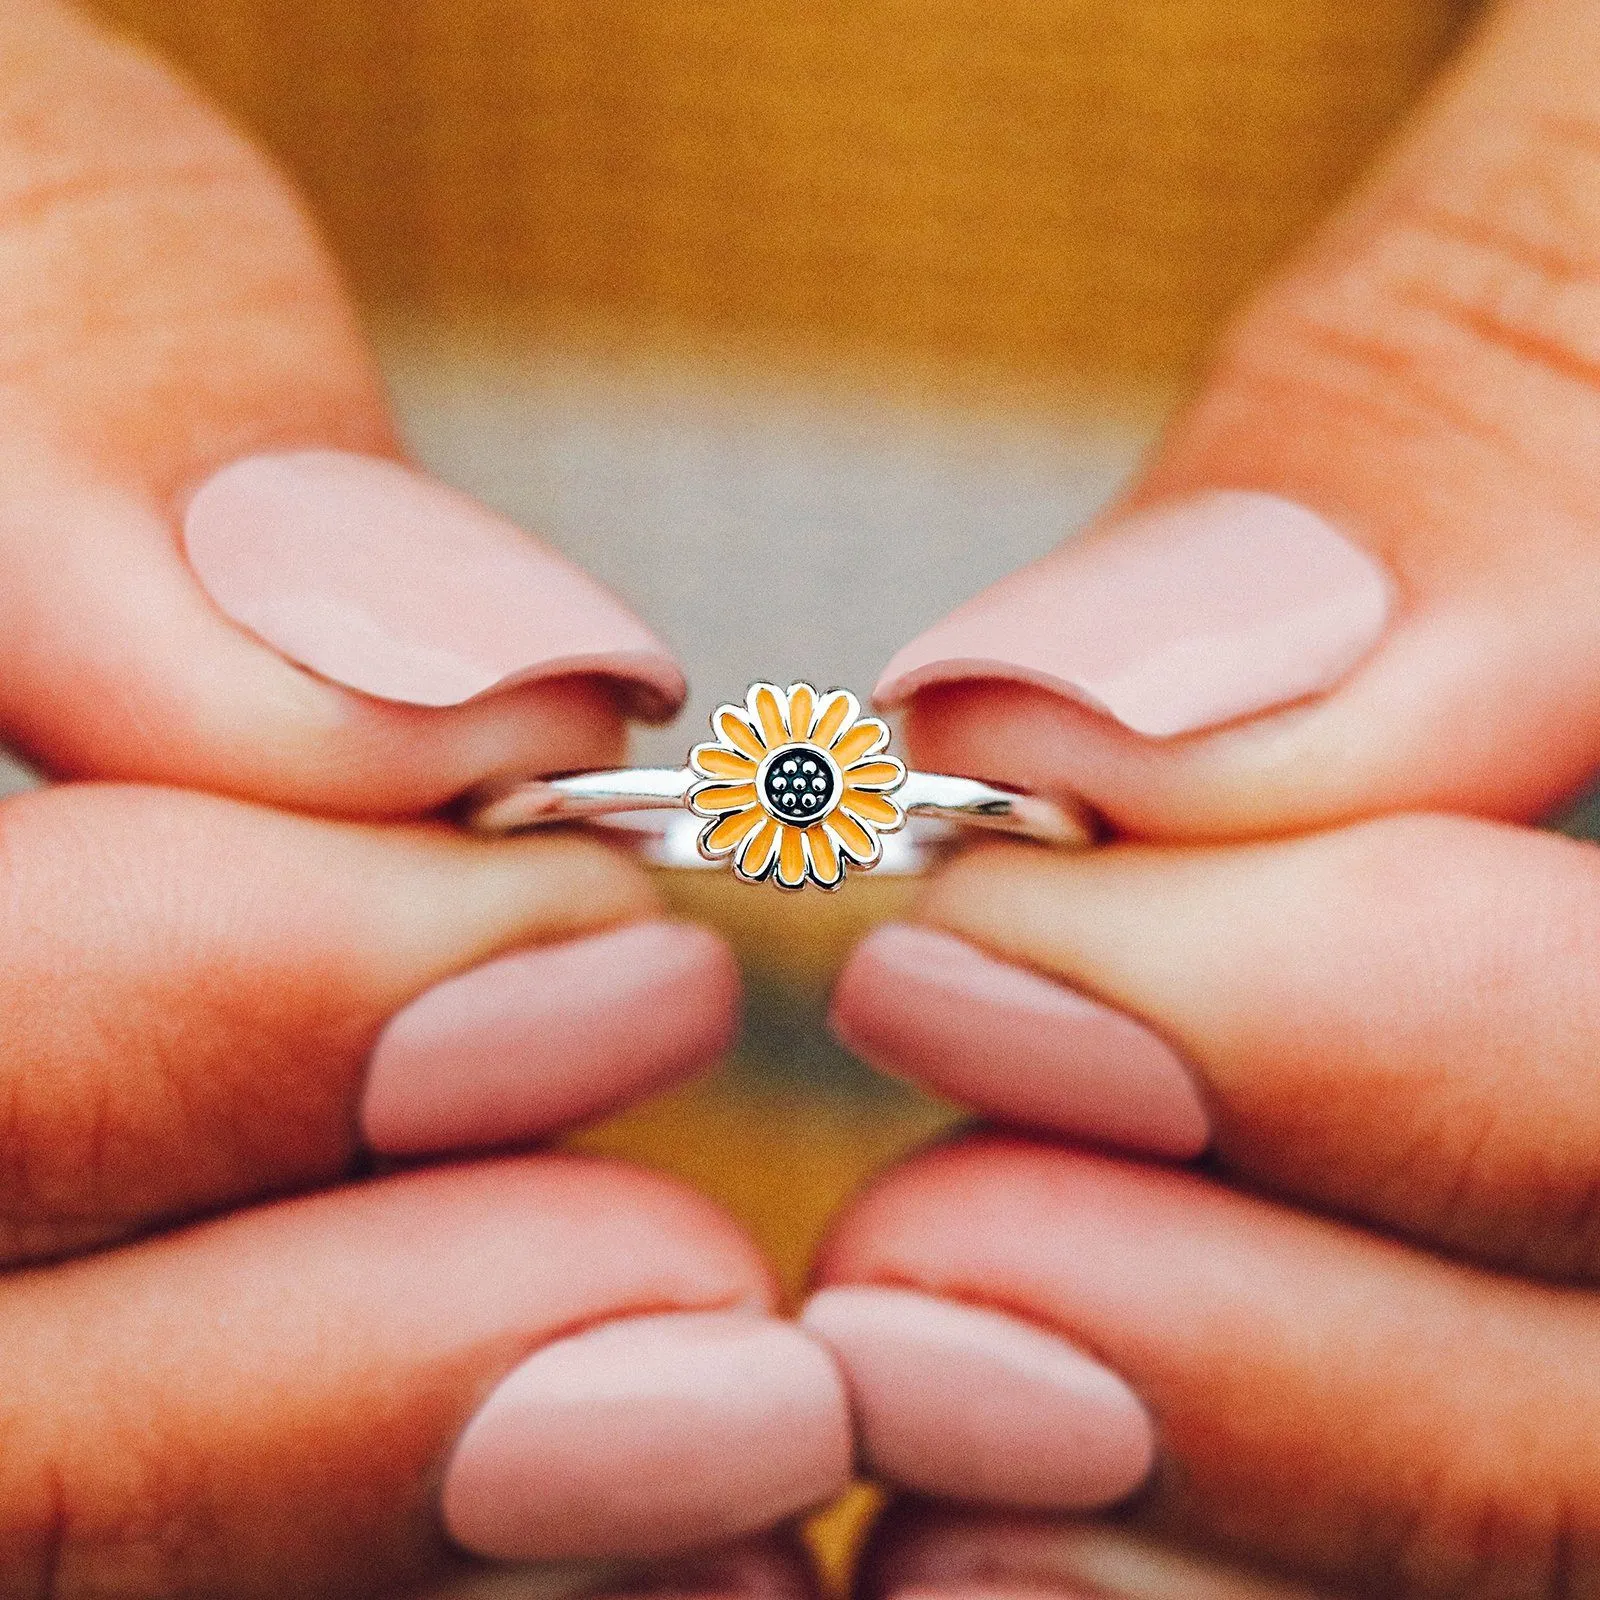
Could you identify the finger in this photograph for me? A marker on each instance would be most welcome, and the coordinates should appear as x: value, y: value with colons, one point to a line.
x: 330, y: 629
x: 206, y: 1001
x: 1395, y: 1022
x: 1358, y: 575
x: 1331, y: 1406
x: 944, y: 1552
x: 545, y: 1359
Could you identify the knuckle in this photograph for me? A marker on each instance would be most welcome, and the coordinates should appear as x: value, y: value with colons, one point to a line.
x: 1478, y: 1192
x: 36, y: 1529
x: 1466, y: 1537
x: 1472, y: 303
x: 40, y: 1212
x: 1575, y: 1251
x: 144, y: 1530
x: 157, y: 1058
x: 86, y: 197
x: 146, y: 245
x: 1514, y: 262
x: 1480, y: 1065
x: 108, y: 271
x: 84, y: 1120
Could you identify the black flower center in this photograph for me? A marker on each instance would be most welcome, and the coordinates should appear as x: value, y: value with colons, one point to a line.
x: 798, y: 785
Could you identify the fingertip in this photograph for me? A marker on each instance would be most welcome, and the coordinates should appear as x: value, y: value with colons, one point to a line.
x: 538, y: 1039
x: 350, y: 1337
x: 1016, y: 733
x: 383, y: 580
x: 965, y: 1402
x: 985, y: 1184
x: 936, y: 1009
x: 1171, y: 619
x: 543, y: 883
x: 647, y: 1435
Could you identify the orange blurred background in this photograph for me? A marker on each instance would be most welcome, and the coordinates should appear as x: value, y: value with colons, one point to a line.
x: 1040, y: 185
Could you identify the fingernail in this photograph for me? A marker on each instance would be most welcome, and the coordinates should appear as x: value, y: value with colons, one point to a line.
x: 647, y: 1435
x: 969, y: 1404
x: 539, y: 1039
x: 386, y: 581
x: 925, y: 1005
x: 1175, y: 619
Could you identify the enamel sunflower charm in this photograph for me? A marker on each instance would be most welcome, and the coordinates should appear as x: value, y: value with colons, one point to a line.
x: 795, y: 785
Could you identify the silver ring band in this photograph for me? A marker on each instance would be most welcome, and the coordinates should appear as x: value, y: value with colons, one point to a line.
x: 796, y: 787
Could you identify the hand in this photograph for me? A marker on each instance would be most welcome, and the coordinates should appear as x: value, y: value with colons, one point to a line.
x: 1357, y: 1348
x: 229, y: 1369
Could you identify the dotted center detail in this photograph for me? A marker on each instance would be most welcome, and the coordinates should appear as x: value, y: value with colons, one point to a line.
x: 799, y: 785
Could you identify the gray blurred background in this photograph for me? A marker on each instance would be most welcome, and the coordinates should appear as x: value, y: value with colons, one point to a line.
x: 769, y: 525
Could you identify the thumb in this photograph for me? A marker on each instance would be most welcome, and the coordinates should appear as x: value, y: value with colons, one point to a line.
x: 214, y: 570
x: 1360, y: 573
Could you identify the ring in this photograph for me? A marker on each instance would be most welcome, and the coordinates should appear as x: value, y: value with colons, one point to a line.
x: 796, y: 787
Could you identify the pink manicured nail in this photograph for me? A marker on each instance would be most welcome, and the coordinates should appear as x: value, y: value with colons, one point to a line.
x: 536, y: 1040
x: 932, y: 1007
x: 386, y: 581
x: 615, y: 1441
x: 966, y: 1403
x: 1175, y: 619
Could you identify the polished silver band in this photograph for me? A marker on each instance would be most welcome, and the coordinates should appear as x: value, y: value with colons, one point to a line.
x: 937, y: 803
x: 796, y: 786
x: 590, y: 795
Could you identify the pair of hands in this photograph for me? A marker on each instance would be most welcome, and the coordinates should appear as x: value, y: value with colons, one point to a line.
x: 1356, y: 1348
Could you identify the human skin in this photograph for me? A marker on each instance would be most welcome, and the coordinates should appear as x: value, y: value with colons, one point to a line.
x: 1364, y: 1328
x: 246, y: 1351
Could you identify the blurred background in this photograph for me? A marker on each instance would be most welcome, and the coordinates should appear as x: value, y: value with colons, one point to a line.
x: 798, y: 322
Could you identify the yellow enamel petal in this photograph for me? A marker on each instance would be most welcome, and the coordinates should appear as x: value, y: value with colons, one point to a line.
x: 722, y: 836
x: 879, y: 774
x: 733, y: 728
x: 759, y: 849
x: 712, y: 761
x: 724, y: 797
x: 854, y: 840
x: 791, y: 857
x: 838, y: 709
x: 769, y: 714
x: 802, y: 709
x: 867, y: 738
x: 874, y: 808
x: 825, y: 862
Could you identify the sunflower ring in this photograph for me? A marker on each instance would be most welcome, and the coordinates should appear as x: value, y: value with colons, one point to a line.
x: 797, y: 786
